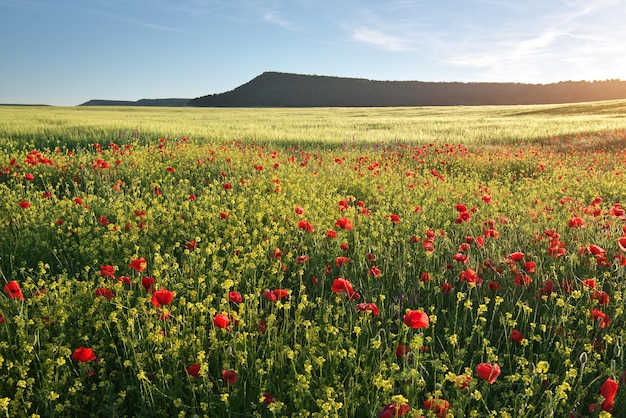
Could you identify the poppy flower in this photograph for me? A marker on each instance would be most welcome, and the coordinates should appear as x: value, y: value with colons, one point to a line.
x: 299, y: 210
x: 394, y: 218
x: 600, y: 317
x: 138, y: 264
x: 342, y: 261
x: 517, y: 336
x: 193, y: 370
x: 268, y: 398
x: 331, y: 234
x: 306, y: 226
x: 438, y: 406
x: 83, y: 354
x: 107, y: 271
x: 191, y: 245
x: 342, y: 285
x: 14, y: 290
x: 374, y: 271
x: 344, y: 223
x: 393, y: 410
x: 470, y: 276
x: 416, y: 319
x: 516, y: 256
x: 488, y: 372
x: 601, y: 296
x: 403, y: 350
x: 368, y: 307
x: 221, y: 321
x: 230, y: 376
x: 162, y: 297
x: 608, y: 390
x: 269, y: 295
x: 104, y: 292
x: 24, y: 204
x: 576, y: 222
x: 621, y: 243
x: 446, y: 287
x: 147, y: 283
x: 461, y: 381
x: 29, y: 176
x: 235, y: 297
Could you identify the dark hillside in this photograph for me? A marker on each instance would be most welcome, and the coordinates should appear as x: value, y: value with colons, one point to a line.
x: 272, y: 89
x: 142, y: 102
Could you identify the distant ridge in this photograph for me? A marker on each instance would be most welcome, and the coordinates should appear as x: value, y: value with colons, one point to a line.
x: 275, y: 89
x: 142, y: 102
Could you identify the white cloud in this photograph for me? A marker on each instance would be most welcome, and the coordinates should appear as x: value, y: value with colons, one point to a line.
x: 273, y: 18
x: 379, y: 39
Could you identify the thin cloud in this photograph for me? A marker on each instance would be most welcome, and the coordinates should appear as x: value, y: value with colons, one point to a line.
x: 379, y: 39
x: 136, y: 22
x: 273, y: 18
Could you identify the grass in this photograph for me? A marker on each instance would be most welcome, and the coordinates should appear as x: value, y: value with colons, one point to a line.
x: 313, y: 262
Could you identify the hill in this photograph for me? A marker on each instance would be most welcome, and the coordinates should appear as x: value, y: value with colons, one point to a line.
x: 142, y: 102
x: 274, y: 89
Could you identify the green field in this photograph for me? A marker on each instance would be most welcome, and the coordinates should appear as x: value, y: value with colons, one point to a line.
x: 352, y: 262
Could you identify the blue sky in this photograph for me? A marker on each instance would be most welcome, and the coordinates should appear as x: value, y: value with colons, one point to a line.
x: 65, y: 52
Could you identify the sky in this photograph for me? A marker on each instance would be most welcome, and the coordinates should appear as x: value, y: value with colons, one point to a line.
x: 66, y: 52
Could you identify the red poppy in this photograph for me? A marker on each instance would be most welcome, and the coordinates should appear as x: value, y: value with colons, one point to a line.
x: 138, y: 264
x: 488, y: 372
x: 268, y: 398
x: 281, y: 293
x: 344, y: 223
x: 24, y: 204
x: 235, y: 297
x: 342, y: 285
x: 230, y: 376
x: 529, y: 266
x: 1, y: 319
x: 162, y: 297
x: 393, y: 410
x: 302, y: 259
x: 602, y: 297
x: 147, y: 283
x: 331, y: 234
x: 306, y: 226
x: 299, y: 210
x: 589, y: 283
x: 374, y: 271
x: 494, y: 286
x: 600, y: 317
x: 221, y: 321
x: 609, y: 390
x: 522, y: 279
x: 394, y: 218
x: 470, y: 276
x: 402, y: 351
x: 517, y: 256
x: 14, y: 290
x: 107, y: 271
x: 368, y: 307
x: 29, y: 176
x: 104, y: 292
x: 517, y: 336
x: 269, y: 295
x: 438, y: 406
x: 461, y: 381
x: 83, y: 354
x: 262, y: 326
x: 446, y: 287
x: 193, y: 370
x: 416, y: 319
x: 576, y: 222
x: 621, y: 243
x: 460, y: 257
x: 191, y: 245
x: 343, y: 205
x: 342, y: 261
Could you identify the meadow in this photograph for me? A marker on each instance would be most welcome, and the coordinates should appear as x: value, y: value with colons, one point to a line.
x: 354, y: 262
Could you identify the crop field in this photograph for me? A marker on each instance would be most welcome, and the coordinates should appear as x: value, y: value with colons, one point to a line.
x: 354, y: 262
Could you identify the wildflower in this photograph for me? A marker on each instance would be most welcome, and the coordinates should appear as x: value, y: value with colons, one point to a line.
x: 403, y: 351
x: 193, y: 370
x: 608, y: 390
x: 230, y: 376
x: 269, y: 295
x: 83, y: 354
x: 221, y: 321
x: 394, y: 218
x: 342, y: 261
x: 517, y: 336
x: 600, y: 317
x: 393, y: 410
x: 14, y: 290
x: 438, y: 406
x: 191, y: 245
x: 268, y: 399
x: 235, y: 297
x: 281, y: 293
x: 601, y: 296
x: 331, y: 234
x: 104, y: 292
x: 446, y: 287
x: 138, y: 264
x: 342, y: 285
x: 488, y: 372
x: 24, y: 204
x: 29, y: 176
x: 299, y: 210
x: 306, y: 226
x: 470, y: 276
x: 147, y: 283
x: 621, y: 243
x: 576, y: 222
x: 162, y: 297
x: 374, y: 271
x: 368, y: 307
x: 516, y: 256
x: 344, y: 223
x: 416, y: 319
x: 107, y: 271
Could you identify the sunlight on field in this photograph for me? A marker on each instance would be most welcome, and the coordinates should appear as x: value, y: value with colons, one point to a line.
x: 437, y: 262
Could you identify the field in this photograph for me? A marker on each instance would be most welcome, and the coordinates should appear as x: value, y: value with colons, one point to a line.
x: 436, y: 262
